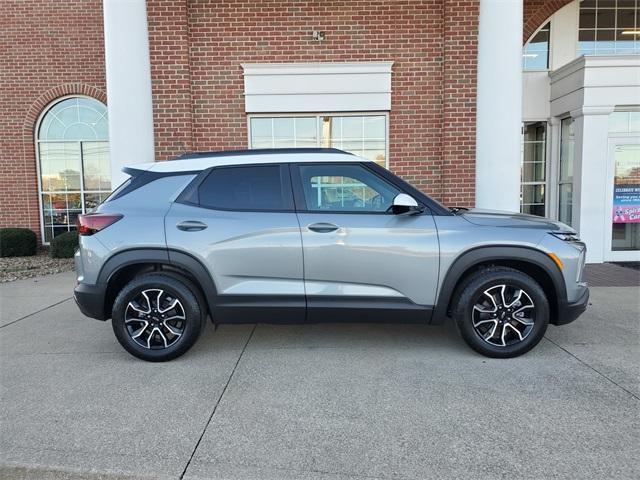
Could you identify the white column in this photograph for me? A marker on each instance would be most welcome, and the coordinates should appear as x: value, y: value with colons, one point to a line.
x: 128, y: 85
x: 499, y: 112
x: 590, y: 207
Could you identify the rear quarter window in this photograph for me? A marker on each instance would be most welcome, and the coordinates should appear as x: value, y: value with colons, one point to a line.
x: 259, y: 188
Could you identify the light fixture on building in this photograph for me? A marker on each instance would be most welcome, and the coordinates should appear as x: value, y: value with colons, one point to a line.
x: 631, y: 32
x: 318, y: 35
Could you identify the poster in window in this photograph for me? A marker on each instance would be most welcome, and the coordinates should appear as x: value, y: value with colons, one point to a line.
x: 626, y: 203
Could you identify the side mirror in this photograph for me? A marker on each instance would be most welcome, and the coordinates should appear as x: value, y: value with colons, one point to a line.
x: 404, y: 204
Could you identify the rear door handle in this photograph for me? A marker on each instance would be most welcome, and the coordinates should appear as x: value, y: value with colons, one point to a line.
x: 191, y: 226
x: 323, y: 227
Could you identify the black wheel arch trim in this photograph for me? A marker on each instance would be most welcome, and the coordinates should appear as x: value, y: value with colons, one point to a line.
x: 483, y: 254
x: 163, y: 256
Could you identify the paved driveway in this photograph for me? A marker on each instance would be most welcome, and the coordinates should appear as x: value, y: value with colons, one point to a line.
x: 315, y: 402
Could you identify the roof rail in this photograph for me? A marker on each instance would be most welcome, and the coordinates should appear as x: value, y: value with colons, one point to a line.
x: 258, y: 151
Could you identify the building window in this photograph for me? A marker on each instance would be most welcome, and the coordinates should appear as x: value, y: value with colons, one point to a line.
x: 73, y: 157
x: 565, y: 176
x: 363, y: 135
x: 609, y: 27
x: 534, y: 169
x: 535, y: 55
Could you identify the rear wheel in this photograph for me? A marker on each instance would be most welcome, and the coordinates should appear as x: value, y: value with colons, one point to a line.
x: 157, y: 317
x: 501, y: 312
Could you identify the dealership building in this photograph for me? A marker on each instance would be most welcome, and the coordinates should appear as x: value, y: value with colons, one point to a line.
x: 530, y: 105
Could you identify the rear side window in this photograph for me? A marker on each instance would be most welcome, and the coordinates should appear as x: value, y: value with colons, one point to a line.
x: 264, y: 187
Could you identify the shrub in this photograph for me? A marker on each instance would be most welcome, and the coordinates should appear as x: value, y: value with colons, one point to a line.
x: 64, y: 245
x: 17, y: 242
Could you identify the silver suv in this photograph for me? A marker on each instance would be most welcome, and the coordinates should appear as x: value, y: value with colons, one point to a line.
x: 315, y: 235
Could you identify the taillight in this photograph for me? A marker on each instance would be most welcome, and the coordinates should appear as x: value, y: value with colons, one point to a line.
x: 91, y: 223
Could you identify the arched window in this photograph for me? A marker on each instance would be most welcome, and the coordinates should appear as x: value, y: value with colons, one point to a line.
x: 535, y: 54
x: 72, y: 142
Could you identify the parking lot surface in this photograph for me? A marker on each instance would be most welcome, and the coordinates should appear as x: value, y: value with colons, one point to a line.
x: 327, y: 401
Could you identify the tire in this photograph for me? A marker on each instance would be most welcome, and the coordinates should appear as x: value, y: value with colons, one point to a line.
x: 488, y: 298
x: 158, y: 317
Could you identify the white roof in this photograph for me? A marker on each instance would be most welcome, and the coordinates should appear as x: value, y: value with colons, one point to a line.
x: 204, y: 161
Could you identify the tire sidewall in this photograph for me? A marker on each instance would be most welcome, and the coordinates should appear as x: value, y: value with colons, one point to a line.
x: 472, y: 292
x: 177, y: 289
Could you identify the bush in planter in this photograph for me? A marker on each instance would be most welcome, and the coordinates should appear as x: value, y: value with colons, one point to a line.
x: 17, y: 242
x: 64, y: 245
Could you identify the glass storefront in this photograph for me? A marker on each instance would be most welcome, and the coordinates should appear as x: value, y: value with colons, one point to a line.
x: 624, y: 132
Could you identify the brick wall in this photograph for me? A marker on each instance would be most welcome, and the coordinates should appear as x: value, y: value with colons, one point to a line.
x: 433, y: 78
x: 48, y: 49
x: 536, y: 12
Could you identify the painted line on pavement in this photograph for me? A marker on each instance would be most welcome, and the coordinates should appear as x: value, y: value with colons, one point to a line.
x: 34, y: 313
x: 592, y: 368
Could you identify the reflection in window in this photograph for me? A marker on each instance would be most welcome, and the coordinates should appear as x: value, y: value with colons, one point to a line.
x: 609, y: 27
x: 624, y: 122
x: 363, y: 135
x: 75, y: 172
x: 534, y: 167
x: 565, y: 177
x: 346, y: 188
x: 535, y: 55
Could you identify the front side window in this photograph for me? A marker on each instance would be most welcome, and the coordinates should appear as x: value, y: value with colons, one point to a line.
x: 362, y: 135
x: 535, y: 55
x: 533, y: 169
x: 609, y: 27
x: 73, y: 152
x: 565, y: 176
x: 256, y: 188
x: 345, y: 188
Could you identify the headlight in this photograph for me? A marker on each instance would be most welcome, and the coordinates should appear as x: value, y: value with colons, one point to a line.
x: 566, y: 236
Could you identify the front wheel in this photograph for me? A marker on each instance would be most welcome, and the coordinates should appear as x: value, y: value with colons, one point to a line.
x: 501, y: 312
x: 157, y: 317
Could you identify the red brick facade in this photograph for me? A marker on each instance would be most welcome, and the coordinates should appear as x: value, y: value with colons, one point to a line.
x: 198, y: 87
x: 49, y: 49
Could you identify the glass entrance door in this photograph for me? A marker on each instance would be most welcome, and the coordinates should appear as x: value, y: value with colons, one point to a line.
x: 624, y: 223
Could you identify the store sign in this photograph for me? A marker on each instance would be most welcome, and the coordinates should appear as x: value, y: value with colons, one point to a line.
x: 626, y: 203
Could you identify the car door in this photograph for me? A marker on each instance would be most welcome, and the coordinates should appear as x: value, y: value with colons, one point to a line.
x: 360, y: 259
x: 239, y: 221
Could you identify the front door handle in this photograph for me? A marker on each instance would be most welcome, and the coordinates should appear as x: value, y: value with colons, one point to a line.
x: 323, y: 227
x: 191, y: 226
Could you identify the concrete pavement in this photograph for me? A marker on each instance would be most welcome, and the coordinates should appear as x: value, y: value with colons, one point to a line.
x: 316, y: 401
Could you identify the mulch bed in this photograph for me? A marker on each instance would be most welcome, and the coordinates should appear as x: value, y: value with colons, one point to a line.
x: 19, y: 268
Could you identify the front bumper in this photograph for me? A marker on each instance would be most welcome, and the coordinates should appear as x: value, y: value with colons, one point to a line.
x: 568, y: 312
x: 90, y: 300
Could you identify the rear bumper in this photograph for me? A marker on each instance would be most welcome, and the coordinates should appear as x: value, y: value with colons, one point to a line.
x: 90, y: 300
x: 570, y: 311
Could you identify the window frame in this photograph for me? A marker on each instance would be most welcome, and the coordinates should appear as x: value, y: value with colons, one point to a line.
x: 186, y: 197
x: 546, y: 161
x: 301, y: 202
x: 615, y: 29
x: 548, y: 51
x: 37, y: 142
x: 559, y: 180
x: 318, y: 116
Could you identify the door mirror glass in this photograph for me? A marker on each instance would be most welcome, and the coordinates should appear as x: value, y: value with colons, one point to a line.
x: 404, y: 204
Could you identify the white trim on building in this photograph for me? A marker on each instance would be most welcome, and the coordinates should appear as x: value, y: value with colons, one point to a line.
x: 499, y: 100
x: 317, y: 87
x: 128, y: 72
